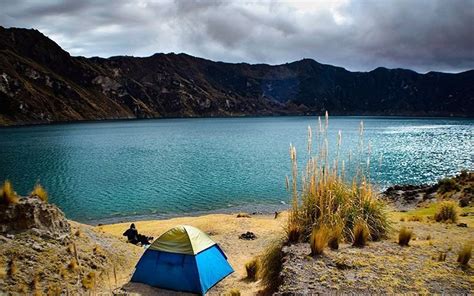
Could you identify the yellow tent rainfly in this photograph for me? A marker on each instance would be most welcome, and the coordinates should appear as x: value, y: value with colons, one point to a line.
x: 183, y: 239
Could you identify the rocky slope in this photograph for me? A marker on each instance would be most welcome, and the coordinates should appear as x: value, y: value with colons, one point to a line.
x: 40, y: 82
x: 43, y: 253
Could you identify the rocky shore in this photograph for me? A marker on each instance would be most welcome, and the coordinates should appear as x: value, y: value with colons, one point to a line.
x: 459, y: 188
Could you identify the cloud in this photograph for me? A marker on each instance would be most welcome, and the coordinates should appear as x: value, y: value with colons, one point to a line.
x: 423, y: 35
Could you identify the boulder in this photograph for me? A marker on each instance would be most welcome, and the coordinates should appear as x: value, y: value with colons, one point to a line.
x: 35, y: 215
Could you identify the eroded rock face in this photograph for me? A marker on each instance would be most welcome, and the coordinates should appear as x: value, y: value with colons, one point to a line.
x: 33, y: 214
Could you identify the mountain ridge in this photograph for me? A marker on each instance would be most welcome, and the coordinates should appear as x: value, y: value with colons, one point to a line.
x: 40, y: 83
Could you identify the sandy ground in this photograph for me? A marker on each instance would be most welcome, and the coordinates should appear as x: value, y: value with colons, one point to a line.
x: 222, y: 228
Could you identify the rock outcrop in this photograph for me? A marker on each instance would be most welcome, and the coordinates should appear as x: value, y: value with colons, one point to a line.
x: 31, y: 214
x: 40, y: 83
x: 459, y: 188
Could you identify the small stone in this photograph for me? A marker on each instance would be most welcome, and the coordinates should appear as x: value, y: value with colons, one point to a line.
x: 248, y: 236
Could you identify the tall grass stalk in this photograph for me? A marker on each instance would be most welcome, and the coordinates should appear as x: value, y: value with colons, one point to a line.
x: 321, y: 195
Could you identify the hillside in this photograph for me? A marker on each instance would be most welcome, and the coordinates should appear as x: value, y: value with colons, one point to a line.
x: 40, y: 82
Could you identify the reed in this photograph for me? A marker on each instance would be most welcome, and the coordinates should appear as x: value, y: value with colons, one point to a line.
x: 321, y: 195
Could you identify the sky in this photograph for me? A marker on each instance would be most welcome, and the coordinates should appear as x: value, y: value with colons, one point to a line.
x: 359, y: 35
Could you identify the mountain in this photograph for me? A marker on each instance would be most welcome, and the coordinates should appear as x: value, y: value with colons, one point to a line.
x: 40, y: 82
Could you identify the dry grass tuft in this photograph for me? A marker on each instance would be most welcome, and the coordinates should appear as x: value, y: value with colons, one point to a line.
x: 464, y: 254
x: 54, y: 290
x: 97, y: 250
x: 7, y: 194
x: 89, y: 281
x: 447, y: 212
x: 232, y: 292
x: 40, y: 192
x: 73, y: 265
x: 442, y: 256
x: 402, y: 219
x: 318, y: 240
x: 35, y: 285
x: 78, y: 233
x: 335, y: 236
x: 361, y: 234
x: 12, y: 268
x: 293, y: 233
x: 70, y: 249
x: 252, y: 268
x: 404, y: 236
x: 243, y: 215
x: 3, y: 272
x: 415, y: 218
x: 270, y: 266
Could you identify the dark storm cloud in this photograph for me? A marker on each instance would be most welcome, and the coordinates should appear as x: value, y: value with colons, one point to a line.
x: 422, y: 35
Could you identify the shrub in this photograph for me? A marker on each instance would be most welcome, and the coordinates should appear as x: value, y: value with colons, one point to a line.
x: 335, y: 237
x: 7, y: 194
x: 404, y: 236
x: 402, y: 219
x: 361, y: 234
x: 252, y: 268
x: 40, y: 192
x: 464, y: 254
x: 270, y: 265
x: 464, y: 201
x: 447, y: 212
x: 318, y: 240
x: 447, y: 185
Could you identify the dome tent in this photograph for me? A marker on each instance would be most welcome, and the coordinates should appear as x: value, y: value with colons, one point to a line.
x: 183, y: 259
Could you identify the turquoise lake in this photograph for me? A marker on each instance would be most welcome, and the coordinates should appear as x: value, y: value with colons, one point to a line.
x: 125, y: 170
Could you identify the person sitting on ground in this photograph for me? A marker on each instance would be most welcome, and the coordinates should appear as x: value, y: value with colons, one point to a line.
x: 132, y: 234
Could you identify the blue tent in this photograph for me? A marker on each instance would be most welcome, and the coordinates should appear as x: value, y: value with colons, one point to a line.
x: 183, y: 259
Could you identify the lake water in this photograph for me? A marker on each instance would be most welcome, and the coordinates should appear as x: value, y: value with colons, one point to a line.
x: 110, y: 171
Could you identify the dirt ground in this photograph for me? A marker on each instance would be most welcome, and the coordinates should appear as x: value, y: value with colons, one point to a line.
x: 385, y: 267
x: 224, y: 229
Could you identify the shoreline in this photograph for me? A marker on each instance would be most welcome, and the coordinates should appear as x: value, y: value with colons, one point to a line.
x: 132, y: 119
x: 252, y: 209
